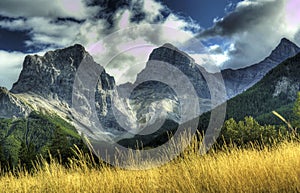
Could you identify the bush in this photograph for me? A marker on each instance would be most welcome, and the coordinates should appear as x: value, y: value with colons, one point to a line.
x: 248, y: 131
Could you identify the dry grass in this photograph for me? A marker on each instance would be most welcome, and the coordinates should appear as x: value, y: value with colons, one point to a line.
x: 274, y: 169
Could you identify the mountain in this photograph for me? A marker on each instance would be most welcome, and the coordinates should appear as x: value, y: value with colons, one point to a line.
x: 46, y: 83
x: 237, y: 81
x: 36, y: 114
x: 161, y: 98
x: 52, y: 76
x: 171, y: 90
x: 164, y: 61
x: 170, y: 55
x: 277, y: 90
x: 168, y: 74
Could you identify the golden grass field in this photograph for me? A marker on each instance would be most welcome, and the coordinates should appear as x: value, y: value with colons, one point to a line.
x: 275, y: 169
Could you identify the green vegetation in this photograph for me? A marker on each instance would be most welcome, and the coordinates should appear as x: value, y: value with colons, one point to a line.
x: 23, y: 139
x: 259, y: 101
x: 248, y: 132
x: 277, y: 91
x: 232, y: 169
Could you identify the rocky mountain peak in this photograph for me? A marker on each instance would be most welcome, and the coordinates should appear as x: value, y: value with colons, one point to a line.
x: 52, y: 75
x: 285, y: 40
x: 285, y: 49
x: 161, y: 63
x: 70, y: 56
x: 170, y: 54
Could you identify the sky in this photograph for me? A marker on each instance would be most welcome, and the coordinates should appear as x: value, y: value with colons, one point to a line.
x: 120, y: 34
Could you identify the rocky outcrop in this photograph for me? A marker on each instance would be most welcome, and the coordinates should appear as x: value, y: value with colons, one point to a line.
x: 11, y: 106
x: 288, y: 87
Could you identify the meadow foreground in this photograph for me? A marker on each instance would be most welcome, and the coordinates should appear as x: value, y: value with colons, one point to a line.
x: 275, y: 169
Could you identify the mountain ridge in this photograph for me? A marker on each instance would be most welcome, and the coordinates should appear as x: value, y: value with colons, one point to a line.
x: 46, y: 83
x: 253, y: 73
x: 276, y: 91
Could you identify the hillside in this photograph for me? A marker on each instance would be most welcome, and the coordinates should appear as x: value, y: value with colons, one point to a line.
x: 22, y: 139
x: 276, y: 91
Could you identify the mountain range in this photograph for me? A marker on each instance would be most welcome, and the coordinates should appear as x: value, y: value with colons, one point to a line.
x: 132, y: 111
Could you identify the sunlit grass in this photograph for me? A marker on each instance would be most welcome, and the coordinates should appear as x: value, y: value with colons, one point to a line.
x: 275, y: 169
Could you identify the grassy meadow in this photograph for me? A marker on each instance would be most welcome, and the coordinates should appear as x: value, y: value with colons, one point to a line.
x: 230, y: 169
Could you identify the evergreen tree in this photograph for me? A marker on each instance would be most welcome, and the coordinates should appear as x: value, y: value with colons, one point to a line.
x: 27, y: 154
x: 60, y: 147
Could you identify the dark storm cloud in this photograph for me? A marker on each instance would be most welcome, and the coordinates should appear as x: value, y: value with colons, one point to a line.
x: 253, y: 29
x: 245, y: 17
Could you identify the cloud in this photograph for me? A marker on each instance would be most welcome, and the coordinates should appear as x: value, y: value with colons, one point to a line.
x: 10, y: 66
x: 48, y: 9
x: 119, y: 29
x: 254, y: 28
x: 44, y: 31
x: 126, y: 31
x: 297, y: 37
x: 125, y: 48
x: 293, y: 12
x: 247, y: 15
x: 216, y: 49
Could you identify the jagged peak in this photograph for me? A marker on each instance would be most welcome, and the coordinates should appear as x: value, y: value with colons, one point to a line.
x: 168, y: 52
x: 75, y: 50
x: 285, y: 47
x: 170, y: 46
x: 75, y: 47
x: 285, y: 41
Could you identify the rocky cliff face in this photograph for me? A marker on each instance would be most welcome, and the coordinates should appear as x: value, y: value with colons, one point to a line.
x: 46, y: 82
x: 237, y: 81
x: 172, y: 56
x: 169, y: 75
x: 171, y: 90
x: 52, y: 75
x: 287, y: 86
